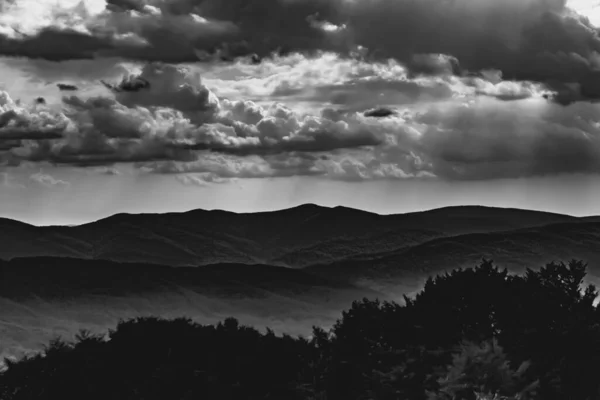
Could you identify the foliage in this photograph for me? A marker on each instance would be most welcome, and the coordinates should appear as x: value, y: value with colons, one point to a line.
x: 476, y: 333
x: 483, y: 370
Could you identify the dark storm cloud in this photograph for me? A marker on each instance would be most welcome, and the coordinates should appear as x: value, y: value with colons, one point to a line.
x: 126, y: 5
x: 55, y: 44
x: 265, y: 25
x: 66, y: 87
x: 30, y: 133
x: 181, y: 31
x: 147, y: 36
x: 536, y: 40
x: 379, y: 112
x: 6, y: 145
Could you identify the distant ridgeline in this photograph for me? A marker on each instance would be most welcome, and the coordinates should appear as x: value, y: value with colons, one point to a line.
x: 478, y: 333
x: 338, y: 243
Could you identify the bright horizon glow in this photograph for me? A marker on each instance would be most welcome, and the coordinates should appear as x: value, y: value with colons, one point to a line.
x: 89, y: 197
x: 301, y: 204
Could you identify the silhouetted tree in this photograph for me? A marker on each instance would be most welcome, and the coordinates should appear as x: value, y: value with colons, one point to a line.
x: 483, y: 370
x: 475, y: 333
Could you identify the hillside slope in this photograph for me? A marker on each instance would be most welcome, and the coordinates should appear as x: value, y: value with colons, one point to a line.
x: 295, y: 237
x: 43, y: 297
x: 514, y: 249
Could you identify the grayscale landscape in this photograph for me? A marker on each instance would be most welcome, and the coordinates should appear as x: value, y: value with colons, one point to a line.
x: 210, y: 265
x: 299, y: 199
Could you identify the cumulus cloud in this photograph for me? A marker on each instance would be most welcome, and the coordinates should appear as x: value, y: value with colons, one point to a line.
x: 355, y: 85
x: 174, y: 117
x: 168, y: 86
x: 483, y: 139
x: 19, y: 126
x: 479, y: 126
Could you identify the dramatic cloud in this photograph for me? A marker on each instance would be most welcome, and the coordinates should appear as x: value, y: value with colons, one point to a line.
x: 324, y: 116
x: 129, y: 84
x: 485, y: 138
x: 173, y: 117
x: 355, y: 85
x: 176, y: 31
x: 525, y: 40
x: 19, y: 126
x: 170, y: 87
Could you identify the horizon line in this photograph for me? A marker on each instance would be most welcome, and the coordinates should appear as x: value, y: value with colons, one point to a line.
x: 299, y: 206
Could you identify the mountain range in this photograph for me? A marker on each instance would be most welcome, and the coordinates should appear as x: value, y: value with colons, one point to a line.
x: 287, y: 269
x: 298, y: 237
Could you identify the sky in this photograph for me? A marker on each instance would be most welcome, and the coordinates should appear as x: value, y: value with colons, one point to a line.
x: 248, y: 105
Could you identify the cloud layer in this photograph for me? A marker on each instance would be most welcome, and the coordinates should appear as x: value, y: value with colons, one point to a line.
x: 526, y: 40
x: 325, y: 116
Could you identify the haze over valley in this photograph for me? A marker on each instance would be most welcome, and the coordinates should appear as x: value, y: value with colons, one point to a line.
x: 288, y: 270
x: 299, y: 199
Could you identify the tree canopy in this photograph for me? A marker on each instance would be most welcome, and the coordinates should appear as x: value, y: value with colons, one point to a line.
x: 475, y: 333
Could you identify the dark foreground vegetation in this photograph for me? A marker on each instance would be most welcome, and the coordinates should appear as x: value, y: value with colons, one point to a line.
x: 474, y: 333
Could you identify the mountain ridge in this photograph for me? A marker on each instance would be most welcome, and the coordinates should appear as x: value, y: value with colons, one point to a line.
x: 295, y: 237
x: 514, y: 250
x: 309, y: 206
x: 291, y: 268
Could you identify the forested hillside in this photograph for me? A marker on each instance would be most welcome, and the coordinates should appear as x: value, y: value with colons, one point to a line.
x: 473, y: 333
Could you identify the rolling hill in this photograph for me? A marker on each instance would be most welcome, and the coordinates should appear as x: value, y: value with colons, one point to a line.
x: 513, y: 249
x: 54, y: 278
x: 45, y: 297
x: 288, y: 269
x: 296, y: 237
